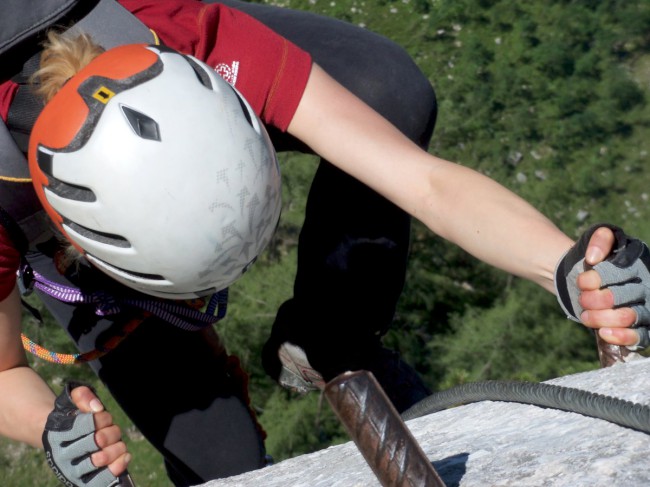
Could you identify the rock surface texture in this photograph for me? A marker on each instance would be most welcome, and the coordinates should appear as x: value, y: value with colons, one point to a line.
x: 500, y: 444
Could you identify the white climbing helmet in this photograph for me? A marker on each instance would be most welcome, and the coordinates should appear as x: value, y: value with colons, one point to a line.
x: 158, y: 171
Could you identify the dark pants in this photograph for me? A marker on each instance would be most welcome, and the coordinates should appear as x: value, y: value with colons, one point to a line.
x: 354, y: 243
x: 353, y: 246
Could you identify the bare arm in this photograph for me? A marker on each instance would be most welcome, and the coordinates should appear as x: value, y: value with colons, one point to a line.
x: 23, y: 410
x: 27, y: 400
x: 455, y: 202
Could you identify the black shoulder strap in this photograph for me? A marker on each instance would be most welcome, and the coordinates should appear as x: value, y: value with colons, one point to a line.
x: 22, y: 19
x: 20, y: 211
x: 112, y: 25
x: 13, y: 165
x: 109, y: 24
x: 23, y: 23
x: 15, y: 205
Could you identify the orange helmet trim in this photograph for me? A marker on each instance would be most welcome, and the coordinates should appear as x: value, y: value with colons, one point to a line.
x: 67, y: 112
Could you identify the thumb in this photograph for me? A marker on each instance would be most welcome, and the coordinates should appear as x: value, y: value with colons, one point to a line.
x: 86, y: 400
x: 600, y: 246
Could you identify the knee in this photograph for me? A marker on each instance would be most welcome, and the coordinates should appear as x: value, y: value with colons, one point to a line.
x: 406, y: 97
x: 386, y: 77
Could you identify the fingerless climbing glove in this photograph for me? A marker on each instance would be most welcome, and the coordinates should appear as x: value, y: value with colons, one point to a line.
x: 625, y: 272
x: 69, y: 440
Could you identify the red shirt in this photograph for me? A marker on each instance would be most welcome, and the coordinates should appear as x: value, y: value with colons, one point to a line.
x: 269, y: 71
x: 9, y: 261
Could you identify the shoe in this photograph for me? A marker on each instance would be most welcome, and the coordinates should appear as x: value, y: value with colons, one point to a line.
x: 401, y: 383
x: 297, y: 373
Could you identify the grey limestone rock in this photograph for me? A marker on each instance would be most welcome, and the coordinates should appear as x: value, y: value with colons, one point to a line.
x: 500, y: 444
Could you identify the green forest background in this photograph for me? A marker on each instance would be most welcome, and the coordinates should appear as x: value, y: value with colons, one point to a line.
x: 550, y: 99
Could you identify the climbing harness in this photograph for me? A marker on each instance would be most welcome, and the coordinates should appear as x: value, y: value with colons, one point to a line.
x: 185, y: 315
x: 182, y: 316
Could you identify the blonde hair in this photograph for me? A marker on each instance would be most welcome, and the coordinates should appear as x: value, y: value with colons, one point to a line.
x: 61, y: 59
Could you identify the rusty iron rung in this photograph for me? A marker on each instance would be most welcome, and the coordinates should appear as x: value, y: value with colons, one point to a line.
x: 382, y: 437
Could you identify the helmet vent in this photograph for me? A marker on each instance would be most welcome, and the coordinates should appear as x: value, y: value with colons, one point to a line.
x: 203, y: 77
x: 44, y: 159
x: 143, y: 125
x: 132, y: 274
x: 244, y: 109
x: 71, y: 191
x: 102, y: 237
x: 58, y: 187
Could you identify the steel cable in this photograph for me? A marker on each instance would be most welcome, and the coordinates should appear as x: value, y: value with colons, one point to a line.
x: 612, y: 409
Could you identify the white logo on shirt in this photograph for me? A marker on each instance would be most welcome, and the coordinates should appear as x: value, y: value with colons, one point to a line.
x: 229, y: 73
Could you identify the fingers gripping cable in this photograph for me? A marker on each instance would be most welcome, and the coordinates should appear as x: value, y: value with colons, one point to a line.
x: 625, y: 272
x: 69, y: 440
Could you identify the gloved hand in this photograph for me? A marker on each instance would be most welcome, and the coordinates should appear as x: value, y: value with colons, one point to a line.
x: 625, y: 272
x: 69, y: 440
